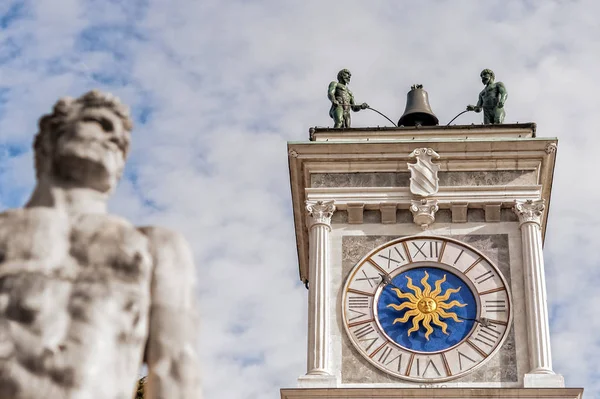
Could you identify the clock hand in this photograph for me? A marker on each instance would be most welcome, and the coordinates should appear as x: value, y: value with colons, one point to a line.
x: 386, y: 280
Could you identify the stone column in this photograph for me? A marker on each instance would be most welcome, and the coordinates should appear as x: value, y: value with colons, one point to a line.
x: 319, y: 227
x: 530, y: 215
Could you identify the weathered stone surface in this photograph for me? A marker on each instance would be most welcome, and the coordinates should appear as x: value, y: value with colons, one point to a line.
x: 402, y: 179
x: 501, y: 368
x: 488, y: 178
x: 369, y: 179
x: 84, y: 295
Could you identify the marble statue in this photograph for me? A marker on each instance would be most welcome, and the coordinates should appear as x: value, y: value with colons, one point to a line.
x: 342, y: 100
x: 85, y: 296
x: 491, y: 99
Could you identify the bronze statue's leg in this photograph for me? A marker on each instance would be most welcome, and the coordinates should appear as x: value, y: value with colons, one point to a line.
x: 499, y: 117
x: 346, y: 119
x: 338, y: 117
x: 488, y: 116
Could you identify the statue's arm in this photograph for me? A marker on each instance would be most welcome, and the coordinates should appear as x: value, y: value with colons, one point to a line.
x: 331, y: 93
x: 171, y: 349
x: 502, y: 94
x: 358, y: 107
x: 476, y: 108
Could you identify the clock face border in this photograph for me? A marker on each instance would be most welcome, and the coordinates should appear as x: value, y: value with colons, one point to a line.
x: 412, y: 353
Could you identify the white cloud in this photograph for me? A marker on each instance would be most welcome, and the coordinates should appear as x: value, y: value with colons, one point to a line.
x: 227, y: 83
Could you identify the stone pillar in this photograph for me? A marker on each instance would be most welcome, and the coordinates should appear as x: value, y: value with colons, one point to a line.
x: 530, y: 215
x: 319, y: 227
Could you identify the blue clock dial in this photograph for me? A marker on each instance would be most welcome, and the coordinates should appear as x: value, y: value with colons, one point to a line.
x: 426, y: 309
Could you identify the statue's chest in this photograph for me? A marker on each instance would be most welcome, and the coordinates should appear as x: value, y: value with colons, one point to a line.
x: 101, y: 247
x: 343, y: 91
x: 490, y: 91
x: 115, y: 250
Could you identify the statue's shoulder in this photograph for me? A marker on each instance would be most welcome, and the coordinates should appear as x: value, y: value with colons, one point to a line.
x: 171, y: 254
x: 333, y: 85
x: 35, y: 214
x: 162, y: 238
x: 500, y: 85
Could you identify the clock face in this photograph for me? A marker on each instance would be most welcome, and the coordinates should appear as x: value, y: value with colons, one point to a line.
x: 426, y: 308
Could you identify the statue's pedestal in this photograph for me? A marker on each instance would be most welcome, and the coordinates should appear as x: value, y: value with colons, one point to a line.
x: 432, y: 393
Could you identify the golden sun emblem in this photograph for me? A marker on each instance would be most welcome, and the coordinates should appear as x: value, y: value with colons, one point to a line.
x: 426, y: 305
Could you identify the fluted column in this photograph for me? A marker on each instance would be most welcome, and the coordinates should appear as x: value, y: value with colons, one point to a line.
x: 530, y: 215
x: 319, y: 227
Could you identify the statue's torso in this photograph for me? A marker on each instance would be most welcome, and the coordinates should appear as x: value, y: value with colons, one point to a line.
x: 74, y: 301
x: 343, y: 94
x: 489, y: 96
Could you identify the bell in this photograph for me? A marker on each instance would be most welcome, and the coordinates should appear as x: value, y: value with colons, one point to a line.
x: 417, y: 112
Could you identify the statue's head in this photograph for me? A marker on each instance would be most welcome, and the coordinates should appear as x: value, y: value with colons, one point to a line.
x: 84, y: 141
x: 487, y: 76
x: 344, y: 76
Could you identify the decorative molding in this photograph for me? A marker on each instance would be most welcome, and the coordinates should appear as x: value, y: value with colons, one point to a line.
x: 454, y: 164
x: 355, y: 213
x: 530, y: 211
x: 320, y: 212
x: 492, y: 212
x: 388, y: 212
x: 424, y: 180
x: 551, y: 148
x: 372, y: 197
x: 459, y: 212
x: 424, y: 212
x: 293, y: 153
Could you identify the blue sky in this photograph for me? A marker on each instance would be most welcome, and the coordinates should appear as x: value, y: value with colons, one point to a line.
x: 218, y: 87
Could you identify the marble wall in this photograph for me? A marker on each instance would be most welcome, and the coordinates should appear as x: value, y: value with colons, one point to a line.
x: 402, y: 179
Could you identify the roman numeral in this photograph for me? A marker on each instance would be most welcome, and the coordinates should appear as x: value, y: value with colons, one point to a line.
x: 384, y: 357
x: 459, y: 255
x: 495, y: 306
x: 358, y: 302
x: 460, y: 356
x: 488, y: 335
x: 368, y: 279
x: 391, y: 259
x: 358, y: 316
x: 427, y: 365
x: 484, y: 277
x: 419, y: 249
x: 372, y: 340
x: 385, y: 354
x: 433, y: 247
x: 364, y: 331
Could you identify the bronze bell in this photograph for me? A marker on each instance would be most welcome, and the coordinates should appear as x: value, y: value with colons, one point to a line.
x: 417, y: 112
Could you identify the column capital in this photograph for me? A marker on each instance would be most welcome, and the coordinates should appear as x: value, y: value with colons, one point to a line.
x: 530, y: 211
x: 320, y: 212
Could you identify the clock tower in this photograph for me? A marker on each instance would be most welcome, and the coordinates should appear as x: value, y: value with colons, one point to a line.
x: 421, y: 248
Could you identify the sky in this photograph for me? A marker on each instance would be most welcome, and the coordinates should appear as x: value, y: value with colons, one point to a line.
x: 218, y: 87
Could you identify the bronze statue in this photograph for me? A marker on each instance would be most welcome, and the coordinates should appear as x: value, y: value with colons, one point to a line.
x: 342, y: 100
x: 491, y: 99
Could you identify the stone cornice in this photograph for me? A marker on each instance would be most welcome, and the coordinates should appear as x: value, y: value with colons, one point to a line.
x: 372, y: 197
